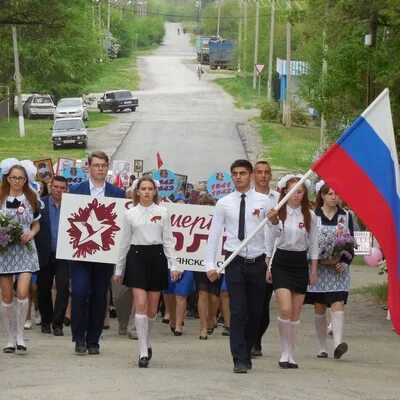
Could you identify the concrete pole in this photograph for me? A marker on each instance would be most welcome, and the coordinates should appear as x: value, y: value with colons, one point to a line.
x: 324, y: 72
x: 109, y: 19
x: 271, y: 51
x: 256, y: 43
x: 219, y: 17
x: 245, y: 34
x: 17, y: 78
x: 288, y: 119
x: 240, y: 36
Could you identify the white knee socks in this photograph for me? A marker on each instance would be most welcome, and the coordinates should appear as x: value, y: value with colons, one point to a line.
x: 284, y: 338
x: 10, y: 323
x: 142, y: 329
x: 294, y: 330
x: 321, y: 328
x: 337, y: 327
x: 150, y: 323
x: 22, y: 312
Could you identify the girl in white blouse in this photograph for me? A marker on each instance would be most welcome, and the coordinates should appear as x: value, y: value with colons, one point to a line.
x: 146, y: 253
x: 293, y: 231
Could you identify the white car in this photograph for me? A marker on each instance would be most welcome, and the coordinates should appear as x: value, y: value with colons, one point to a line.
x: 68, y: 131
x: 71, y: 107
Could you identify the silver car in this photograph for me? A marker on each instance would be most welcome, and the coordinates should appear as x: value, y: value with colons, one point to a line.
x: 69, y: 131
x: 38, y: 105
x: 71, y: 107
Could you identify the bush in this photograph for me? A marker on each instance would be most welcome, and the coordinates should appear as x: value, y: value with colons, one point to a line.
x: 270, y: 111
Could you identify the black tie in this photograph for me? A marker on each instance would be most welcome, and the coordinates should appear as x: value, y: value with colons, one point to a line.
x: 241, y: 217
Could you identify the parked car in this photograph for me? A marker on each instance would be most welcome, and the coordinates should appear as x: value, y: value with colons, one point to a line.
x: 117, y: 100
x: 38, y: 105
x: 71, y: 107
x: 68, y: 131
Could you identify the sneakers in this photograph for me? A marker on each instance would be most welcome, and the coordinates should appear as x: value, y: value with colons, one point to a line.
x: 38, y: 318
x: 226, y: 331
x: 28, y: 324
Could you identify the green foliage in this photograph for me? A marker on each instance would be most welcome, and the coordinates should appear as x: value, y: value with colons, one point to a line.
x: 298, y: 114
x: 269, y: 111
x: 378, y: 292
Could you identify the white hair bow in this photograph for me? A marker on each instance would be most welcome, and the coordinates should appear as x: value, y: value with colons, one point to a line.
x: 319, y: 185
x: 283, y: 181
x: 136, y: 181
x: 28, y: 166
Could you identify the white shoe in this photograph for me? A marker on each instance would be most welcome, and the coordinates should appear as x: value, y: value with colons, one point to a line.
x: 38, y: 318
x: 28, y: 324
x: 330, y: 331
x: 133, y: 334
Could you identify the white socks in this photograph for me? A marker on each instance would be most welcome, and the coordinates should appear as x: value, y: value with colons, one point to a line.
x: 284, y: 338
x: 142, y: 329
x: 337, y: 327
x: 10, y: 323
x: 22, y: 312
x: 150, y: 323
x: 294, y: 330
x: 321, y: 328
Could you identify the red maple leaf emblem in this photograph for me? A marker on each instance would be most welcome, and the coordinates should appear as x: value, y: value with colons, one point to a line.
x: 93, y: 228
x: 156, y: 218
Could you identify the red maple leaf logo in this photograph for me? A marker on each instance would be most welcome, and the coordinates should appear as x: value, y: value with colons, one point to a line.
x: 93, y: 228
x: 156, y: 218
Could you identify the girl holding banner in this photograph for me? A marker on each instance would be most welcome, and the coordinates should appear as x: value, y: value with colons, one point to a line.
x: 146, y: 253
x: 293, y: 231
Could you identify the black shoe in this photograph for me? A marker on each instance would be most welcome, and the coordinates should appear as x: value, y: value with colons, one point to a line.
x: 80, y: 349
x: 210, y: 331
x: 340, y: 350
x: 165, y: 320
x: 67, y: 321
x: 112, y: 313
x: 21, y: 349
x: 226, y: 331
x: 256, y: 352
x: 143, y: 362
x: 203, y: 337
x: 45, y: 329
x: 240, y: 368
x: 248, y: 365
x: 93, y: 351
x: 177, y: 333
x: 9, y: 350
x: 322, y: 354
x: 284, y: 364
x: 293, y: 365
x: 150, y: 353
x: 57, y: 331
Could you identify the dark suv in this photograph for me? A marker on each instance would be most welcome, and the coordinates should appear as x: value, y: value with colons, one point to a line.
x: 117, y: 100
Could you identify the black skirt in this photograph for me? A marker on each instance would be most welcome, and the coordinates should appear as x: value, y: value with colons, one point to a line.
x: 326, y: 297
x: 146, y: 268
x: 204, y: 284
x: 290, y: 271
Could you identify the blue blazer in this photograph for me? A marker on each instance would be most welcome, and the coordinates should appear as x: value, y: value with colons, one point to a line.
x: 43, y: 237
x: 110, y: 190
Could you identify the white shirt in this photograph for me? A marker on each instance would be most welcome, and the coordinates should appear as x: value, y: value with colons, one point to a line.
x: 145, y: 226
x: 97, y: 191
x: 293, y: 235
x: 226, y: 215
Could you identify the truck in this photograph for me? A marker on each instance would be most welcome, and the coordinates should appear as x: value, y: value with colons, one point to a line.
x: 202, y: 49
x: 222, y: 54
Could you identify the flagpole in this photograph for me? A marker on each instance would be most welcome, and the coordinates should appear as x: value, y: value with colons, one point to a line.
x: 384, y: 93
x: 264, y: 221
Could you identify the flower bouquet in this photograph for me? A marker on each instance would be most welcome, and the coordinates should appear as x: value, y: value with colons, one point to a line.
x: 341, y: 245
x: 10, y: 232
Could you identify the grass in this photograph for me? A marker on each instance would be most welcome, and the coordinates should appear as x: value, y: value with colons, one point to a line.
x: 37, y: 143
x: 377, y: 292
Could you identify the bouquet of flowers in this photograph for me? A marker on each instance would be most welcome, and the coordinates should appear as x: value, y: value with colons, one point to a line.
x: 344, y: 245
x: 10, y: 232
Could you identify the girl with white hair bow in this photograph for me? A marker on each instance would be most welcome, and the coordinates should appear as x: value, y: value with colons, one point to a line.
x: 18, y: 202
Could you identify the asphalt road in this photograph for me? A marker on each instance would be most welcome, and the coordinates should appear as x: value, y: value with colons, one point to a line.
x: 185, y: 367
x: 192, y: 123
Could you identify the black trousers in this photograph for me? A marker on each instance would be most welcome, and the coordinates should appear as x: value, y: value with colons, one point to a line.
x: 265, y: 318
x: 246, y: 289
x: 58, y: 269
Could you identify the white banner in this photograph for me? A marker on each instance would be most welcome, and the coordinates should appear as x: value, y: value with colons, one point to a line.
x: 364, y: 243
x: 91, y: 230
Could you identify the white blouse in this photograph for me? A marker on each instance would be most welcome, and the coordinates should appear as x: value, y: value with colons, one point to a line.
x: 293, y: 236
x: 146, y: 226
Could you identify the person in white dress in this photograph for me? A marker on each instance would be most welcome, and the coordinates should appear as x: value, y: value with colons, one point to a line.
x: 147, y: 251
x: 293, y: 232
x: 19, y: 202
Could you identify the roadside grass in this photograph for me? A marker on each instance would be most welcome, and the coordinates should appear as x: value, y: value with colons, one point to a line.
x: 37, y: 143
x: 377, y: 292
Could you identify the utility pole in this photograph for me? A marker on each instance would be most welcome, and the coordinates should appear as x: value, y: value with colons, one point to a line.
x: 323, y: 143
x: 17, y: 78
x: 288, y: 119
x: 240, y: 35
x: 245, y: 33
x: 271, y: 51
x: 256, y: 44
x: 219, y: 17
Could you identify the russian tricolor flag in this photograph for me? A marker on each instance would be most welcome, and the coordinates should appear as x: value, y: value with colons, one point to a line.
x: 363, y: 168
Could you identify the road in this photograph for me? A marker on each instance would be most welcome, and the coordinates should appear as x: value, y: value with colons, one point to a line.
x: 192, y: 123
x: 186, y: 367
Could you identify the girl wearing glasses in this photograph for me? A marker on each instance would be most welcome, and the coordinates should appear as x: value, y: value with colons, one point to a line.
x: 18, y: 202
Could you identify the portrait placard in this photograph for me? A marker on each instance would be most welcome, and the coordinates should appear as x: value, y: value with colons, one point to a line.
x: 137, y: 165
x: 64, y: 163
x: 45, y: 169
x: 75, y: 175
x: 121, y: 172
x: 364, y: 243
